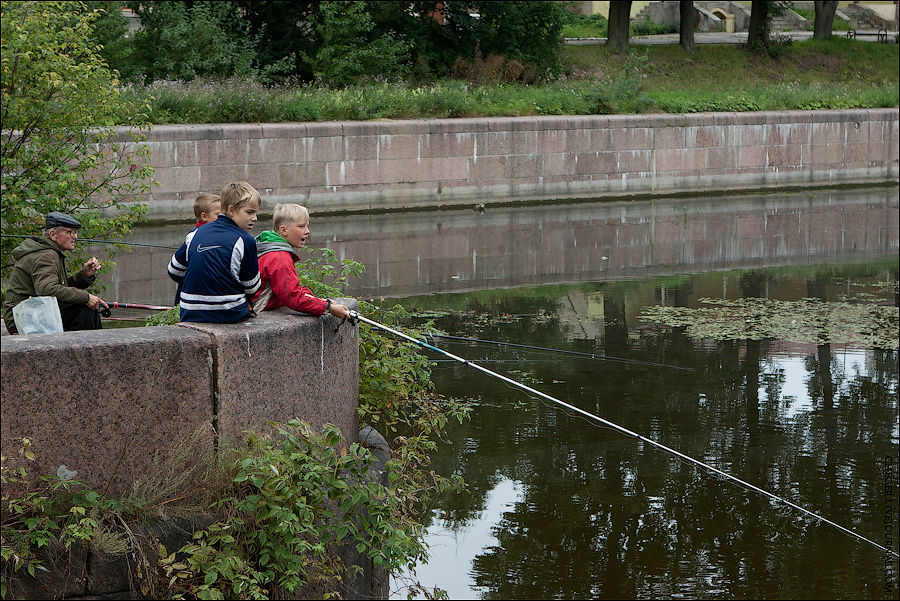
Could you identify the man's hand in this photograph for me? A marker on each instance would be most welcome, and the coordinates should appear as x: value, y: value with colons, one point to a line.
x: 95, y: 301
x: 90, y: 268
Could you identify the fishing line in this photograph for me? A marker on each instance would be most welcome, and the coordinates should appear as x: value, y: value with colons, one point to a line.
x: 623, y: 430
x: 565, y: 351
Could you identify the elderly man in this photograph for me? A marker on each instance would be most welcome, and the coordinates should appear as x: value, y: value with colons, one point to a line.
x: 40, y: 270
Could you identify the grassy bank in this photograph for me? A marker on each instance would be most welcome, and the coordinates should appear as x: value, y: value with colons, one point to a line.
x: 835, y: 74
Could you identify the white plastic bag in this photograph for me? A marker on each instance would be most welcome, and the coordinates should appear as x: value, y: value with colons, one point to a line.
x: 38, y: 315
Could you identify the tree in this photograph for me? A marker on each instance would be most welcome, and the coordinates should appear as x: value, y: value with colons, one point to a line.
x: 59, y: 150
x: 350, y: 49
x: 824, y: 18
x: 283, y: 32
x: 688, y: 22
x: 527, y: 31
x: 758, y: 32
x: 110, y: 34
x: 184, y: 40
x: 619, y: 23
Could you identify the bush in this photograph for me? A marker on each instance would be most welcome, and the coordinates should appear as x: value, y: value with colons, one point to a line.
x: 184, y: 40
x: 576, y: 25
x: 646, y: 27
x: 349, y: 49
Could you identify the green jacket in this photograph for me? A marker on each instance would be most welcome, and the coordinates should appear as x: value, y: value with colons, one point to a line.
x: 40, y: 270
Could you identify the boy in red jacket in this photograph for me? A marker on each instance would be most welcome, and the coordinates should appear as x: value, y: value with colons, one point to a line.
x: 280, y: 285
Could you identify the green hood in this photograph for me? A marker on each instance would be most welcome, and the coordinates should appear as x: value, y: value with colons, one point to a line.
x: 268, y: 241
x: 33, y: 245
x: 270, y: 236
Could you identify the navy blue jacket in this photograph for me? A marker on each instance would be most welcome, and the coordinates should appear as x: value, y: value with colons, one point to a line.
x: 217, y: 269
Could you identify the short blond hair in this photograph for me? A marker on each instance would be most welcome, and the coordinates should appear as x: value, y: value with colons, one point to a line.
x: 289, y: 214
x: 237, y: 194
x: 204, y: 203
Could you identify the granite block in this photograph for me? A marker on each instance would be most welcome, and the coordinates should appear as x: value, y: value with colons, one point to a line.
x: 283, y: 365
x: 112, y: 400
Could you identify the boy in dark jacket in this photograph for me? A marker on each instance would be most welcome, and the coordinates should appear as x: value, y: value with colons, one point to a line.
x: 40, y: 270
x: 216, y: 266
x: 206, y: 210
x: 279, y: 283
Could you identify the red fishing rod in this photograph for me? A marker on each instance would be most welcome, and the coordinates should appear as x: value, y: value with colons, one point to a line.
x: 106, y: 311
x: 118, y: 305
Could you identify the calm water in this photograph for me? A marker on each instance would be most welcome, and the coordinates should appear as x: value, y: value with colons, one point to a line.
x: 462, y: 250
x: 558, y: 507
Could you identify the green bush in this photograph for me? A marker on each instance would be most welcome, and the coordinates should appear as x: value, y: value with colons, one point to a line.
x: 582, y: 26
x: 647, y: 27
x: 185, y: 40
x: 349, y: 49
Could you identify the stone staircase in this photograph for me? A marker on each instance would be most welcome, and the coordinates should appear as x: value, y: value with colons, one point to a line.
x: 788, y: 21
x: 864, y: 18
x: 644, y: 14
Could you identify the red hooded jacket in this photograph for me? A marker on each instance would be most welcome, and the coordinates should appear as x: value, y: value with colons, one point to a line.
x: 276, y: 270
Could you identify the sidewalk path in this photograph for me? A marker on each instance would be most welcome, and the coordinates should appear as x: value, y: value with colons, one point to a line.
x: 718, y: 37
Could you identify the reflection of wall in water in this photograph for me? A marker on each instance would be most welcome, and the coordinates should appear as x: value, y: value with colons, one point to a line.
x: 455, y: 251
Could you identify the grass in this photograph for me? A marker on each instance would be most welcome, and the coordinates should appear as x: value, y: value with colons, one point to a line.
x: 815, y: 74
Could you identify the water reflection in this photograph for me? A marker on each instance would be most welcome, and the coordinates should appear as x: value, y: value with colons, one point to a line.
x: 452, y: 251
x: 598, y: 515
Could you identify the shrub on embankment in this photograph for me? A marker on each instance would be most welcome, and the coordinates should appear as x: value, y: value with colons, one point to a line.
x: 832, y: 74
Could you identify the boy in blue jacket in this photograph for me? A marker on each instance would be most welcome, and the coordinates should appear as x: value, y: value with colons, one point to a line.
x: 216, y: 266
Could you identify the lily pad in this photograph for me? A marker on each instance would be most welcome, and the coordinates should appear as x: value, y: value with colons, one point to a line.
x: 863, y: 324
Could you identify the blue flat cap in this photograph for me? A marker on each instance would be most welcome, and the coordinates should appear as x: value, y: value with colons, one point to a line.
x: 57, y: 219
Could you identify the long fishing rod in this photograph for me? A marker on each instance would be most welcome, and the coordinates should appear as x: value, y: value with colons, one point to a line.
x: 556, y: 350
x: 355, y: 315
x: 101, y: 241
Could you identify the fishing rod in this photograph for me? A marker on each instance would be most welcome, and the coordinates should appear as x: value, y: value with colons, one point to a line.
x: 355, y: 316
x: 101, y: 241
x: 106, y: 312
x: 556, y: 350
x: 118, y: 305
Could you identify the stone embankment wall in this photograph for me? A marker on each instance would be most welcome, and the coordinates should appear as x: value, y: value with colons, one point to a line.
x: 382, y: 165
x: 103, y: 403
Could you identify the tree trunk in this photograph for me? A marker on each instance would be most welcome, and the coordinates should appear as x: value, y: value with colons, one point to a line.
x: 619, y: 22
x: 824, y: 19
x: 687, y: 24
x: 758, y: 34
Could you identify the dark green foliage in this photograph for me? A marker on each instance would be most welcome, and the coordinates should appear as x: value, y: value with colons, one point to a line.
x: 647, y: 27
x: 183, y: 40
x: 283, y: 32
x: 339, y: 42
x: 109, y: 32
x: 350, y: 49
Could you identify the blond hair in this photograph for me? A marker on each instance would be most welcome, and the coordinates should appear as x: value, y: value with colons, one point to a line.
x: 289, y: 214
x: 236, y: 194
x: 204, y: 203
